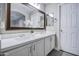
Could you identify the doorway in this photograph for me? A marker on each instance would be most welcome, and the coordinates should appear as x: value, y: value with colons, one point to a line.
x: 69, y: 26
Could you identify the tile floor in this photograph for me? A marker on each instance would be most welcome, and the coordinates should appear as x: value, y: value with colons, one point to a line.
x: 59, y: 53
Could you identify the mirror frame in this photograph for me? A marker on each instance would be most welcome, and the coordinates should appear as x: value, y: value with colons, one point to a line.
x: 21, y: 28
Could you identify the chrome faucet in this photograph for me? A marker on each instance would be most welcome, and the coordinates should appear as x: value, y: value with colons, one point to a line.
x: 32, y: 31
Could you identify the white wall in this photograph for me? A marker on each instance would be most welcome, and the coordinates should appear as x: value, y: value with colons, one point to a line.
x: 0, y: 17
x: 54, y: 8
x: 2, y: 9
x: 42, y: 6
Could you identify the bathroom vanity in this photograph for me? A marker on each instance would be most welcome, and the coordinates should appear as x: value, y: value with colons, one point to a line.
x: 26, y: 17
x: 31, y: 45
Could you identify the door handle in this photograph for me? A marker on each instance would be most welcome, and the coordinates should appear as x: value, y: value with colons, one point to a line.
x: 61, y: 30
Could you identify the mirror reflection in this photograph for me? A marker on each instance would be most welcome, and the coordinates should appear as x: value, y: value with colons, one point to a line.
x: 50, y: 20
x: 25, y: 15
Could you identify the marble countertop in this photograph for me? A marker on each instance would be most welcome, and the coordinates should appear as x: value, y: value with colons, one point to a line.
x: 11, y: 43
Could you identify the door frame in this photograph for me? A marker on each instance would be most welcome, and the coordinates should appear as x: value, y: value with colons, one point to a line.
x: 60, y: 25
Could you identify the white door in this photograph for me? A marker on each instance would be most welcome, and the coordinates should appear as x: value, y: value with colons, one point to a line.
x: 69, y: 28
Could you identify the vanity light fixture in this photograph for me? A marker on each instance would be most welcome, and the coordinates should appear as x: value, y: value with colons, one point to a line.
x: 51, y: 15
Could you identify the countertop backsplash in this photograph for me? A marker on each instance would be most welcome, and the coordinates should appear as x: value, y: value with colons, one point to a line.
x: 6, y: 36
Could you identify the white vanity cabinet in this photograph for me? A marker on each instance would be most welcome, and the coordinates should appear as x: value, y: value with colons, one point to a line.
x: 49, y: 44
x: 27, y: 50
x: 52, y: 42
x: 34, y: 49
x: 40, y: 47
x: 22, y: 51
x: 37, y: 48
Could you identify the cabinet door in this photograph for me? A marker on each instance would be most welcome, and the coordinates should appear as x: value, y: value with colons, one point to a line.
x: 22, y: 51
x: 32, y: 50
x: 39, y: 48
x: 47, y: 45
x: 52, y: 40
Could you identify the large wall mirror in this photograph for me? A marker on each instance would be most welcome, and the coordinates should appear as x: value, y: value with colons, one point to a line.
x: 24, y: 16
